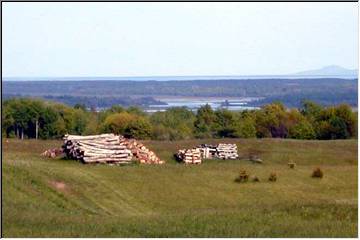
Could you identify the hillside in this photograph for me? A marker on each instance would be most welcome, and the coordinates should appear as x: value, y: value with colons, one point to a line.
x: 332, y: 70
x: 64, y: 198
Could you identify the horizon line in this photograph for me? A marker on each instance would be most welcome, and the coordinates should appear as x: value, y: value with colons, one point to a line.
x: 181, y: 76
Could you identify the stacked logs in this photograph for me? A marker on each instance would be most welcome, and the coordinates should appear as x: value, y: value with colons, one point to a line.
x: 140, y: 152
x: 104, y: 148
x: 227, y: 151
x: 207, y: 151
x: 189, y: 156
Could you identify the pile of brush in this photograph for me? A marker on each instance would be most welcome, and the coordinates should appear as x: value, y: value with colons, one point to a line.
x: 52, y: 152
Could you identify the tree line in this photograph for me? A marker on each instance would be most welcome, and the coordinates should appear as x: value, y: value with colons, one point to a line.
x: 35, y: 118
x: 103, y: 93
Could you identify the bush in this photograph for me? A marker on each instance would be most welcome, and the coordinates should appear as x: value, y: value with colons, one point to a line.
x: 317, y: 173
x: 292, y: 165
x: 273, y: 177
x: 243, y: 176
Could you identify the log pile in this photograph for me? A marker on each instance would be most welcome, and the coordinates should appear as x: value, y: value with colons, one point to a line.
x: 189, y: 156
x: 227, y: 151
x: 207, y: 151
x: 104, y: 148
x: 140, y: 152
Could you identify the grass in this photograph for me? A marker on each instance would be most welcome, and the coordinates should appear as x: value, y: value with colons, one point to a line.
x: 63, y: 198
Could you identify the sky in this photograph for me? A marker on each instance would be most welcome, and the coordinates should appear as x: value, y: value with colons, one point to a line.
x: 176, y: 39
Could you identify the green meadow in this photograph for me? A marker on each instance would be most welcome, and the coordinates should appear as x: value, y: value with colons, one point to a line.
x: 63, y: 198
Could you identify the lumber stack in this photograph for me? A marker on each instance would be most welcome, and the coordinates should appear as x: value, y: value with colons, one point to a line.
x: 189, y: 156
x: 227, y: 151
x: 141, y: 152
x: 104, y: 148
x: 207, y: 151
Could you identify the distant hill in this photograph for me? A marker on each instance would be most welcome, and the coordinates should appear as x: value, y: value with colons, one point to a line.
x: 331, y: 70
x: 325, y: 72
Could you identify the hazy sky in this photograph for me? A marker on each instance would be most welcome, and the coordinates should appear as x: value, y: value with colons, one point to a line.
x: 154, y: 39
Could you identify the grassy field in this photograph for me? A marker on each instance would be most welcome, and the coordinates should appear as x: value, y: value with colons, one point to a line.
x: 63, y: 198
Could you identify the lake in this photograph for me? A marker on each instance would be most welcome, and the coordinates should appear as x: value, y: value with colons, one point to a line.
x: 194, y: 103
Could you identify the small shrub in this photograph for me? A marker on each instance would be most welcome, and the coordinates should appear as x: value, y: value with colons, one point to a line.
x: 273, y: 177
x: 255, y: 179
x: 292, y: 165
x: 243, y: 176
x: 317, y: 173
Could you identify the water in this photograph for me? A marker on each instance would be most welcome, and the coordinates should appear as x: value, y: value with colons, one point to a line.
x: 233, y: 104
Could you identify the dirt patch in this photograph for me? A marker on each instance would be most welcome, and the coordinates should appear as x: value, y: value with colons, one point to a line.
x: 59, y: 186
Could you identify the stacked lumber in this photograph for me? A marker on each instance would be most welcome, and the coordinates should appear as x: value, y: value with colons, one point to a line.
x: 189, y: 156
x: 140, y: 152
x: 227, y: 151
x: 104, y: 148
x: 207, y: 151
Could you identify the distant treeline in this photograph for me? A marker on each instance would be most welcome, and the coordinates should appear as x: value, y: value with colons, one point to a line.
x: 97, y: 101
x: 325, y: 98
x: 34, y: 118
x: 325, y: 91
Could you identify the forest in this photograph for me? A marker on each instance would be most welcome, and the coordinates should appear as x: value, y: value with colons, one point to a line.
x: 34, y: 118
x: 105, y: 93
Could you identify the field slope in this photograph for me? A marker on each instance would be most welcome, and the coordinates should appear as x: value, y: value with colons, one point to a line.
x: 64, y: 198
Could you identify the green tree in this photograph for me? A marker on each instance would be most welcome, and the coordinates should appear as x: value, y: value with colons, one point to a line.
x: 271, y: 121
x: 336, y: 122
x: 302, y: 130
x: 160, y: 132
x: 344, y: 112
x: 140, y: 128
x: 92, y: 127
x: 25, y: 114
x: 80, y: 120
x: 173, y: 124
x: 7, y: 120
x: 310, y: 109
x: 49, y: 122
x: 117, y: 123
x: 67, y: 114
x: 204, y: 122
x: 245, y: 128
x: 224, y: 123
